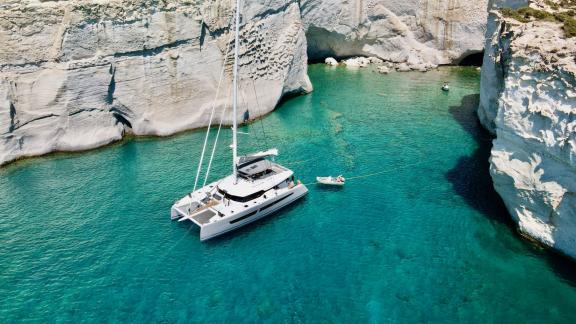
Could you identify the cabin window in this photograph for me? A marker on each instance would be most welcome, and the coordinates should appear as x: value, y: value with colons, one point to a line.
x: 243, y: 217
x: 241, y: 199
x: 277, y: 201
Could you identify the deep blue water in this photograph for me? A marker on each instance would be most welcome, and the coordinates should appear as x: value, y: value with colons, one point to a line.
x: 87, y: 237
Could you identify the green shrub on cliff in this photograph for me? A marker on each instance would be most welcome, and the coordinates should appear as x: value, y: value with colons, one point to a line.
x: 566, y: 4
x: 569, y: 27
x: 527, y: 14
x: 514, y: 14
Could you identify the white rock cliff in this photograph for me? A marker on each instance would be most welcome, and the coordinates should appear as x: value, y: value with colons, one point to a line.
x: 79, y: 74
x: 412, y: 31
x: 528, y: 99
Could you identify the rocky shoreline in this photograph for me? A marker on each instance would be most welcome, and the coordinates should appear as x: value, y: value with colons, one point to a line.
x: 384, y: 67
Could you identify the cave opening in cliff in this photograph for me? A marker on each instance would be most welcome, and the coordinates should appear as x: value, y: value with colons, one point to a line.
x: 323, y: 43
x: 471, y: 59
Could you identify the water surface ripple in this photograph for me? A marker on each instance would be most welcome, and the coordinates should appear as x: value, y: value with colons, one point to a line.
x: 87, y: 237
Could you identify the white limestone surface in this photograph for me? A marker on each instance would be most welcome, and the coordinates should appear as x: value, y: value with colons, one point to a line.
x: 410, y: 31
x: 529, y: 102
x: 79, y: 74
x: 356, y: 62
x: 383, y: 69
x: 331, y: 61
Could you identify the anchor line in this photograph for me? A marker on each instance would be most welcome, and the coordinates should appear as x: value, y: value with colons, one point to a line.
x: 376, y: 173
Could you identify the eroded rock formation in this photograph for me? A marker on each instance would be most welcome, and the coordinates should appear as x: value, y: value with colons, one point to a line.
x: 79, y: 74
x: 528, y: 100
x: 415, y: 32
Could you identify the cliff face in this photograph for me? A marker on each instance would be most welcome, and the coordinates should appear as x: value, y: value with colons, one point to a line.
x: 79, y: 74
x: 529, y: 102
x: 416, y: 32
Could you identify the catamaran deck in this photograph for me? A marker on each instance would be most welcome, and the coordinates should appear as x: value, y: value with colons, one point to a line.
x: 204, y: 216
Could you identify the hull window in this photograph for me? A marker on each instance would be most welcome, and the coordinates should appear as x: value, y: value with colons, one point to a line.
x: 277, y: 201
x: 243, y: 217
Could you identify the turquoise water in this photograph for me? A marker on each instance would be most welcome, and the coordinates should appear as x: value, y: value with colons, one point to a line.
x: 87, y: 237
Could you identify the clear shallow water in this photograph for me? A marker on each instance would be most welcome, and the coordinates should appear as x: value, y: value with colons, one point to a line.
x: 87, y: 237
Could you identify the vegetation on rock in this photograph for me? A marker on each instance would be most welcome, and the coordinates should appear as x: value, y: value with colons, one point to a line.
x: 566, y: 18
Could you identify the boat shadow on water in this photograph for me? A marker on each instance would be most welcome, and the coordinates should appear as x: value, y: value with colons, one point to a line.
x: 328, y: 188
x: 471, y: 180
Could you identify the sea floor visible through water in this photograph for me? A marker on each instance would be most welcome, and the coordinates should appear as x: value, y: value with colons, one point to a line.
x: 416, y: 235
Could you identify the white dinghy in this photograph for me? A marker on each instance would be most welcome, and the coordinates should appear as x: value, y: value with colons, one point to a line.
x: 331, y: 181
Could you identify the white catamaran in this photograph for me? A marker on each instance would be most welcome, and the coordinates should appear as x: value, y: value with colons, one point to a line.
x: 256, y: 188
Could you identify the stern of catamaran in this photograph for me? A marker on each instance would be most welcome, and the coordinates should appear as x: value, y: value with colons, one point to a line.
x: 199, y: 213
x: 192, y: 206
x: 178, y: 212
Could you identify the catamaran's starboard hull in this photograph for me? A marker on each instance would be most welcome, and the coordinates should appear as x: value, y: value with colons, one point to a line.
x: 215, y: 229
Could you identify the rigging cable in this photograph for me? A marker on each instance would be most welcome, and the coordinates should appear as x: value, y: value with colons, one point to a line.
x: 212, y: 115
x: 261, y: 115
x: 258, y: 106
x: 216, y: 141
x: 207, y: 132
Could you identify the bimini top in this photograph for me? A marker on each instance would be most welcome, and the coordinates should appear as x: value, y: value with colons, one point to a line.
x: 245, y: 187
x: 255, y: 175
x: 247, y: 159
x: 255, y: 168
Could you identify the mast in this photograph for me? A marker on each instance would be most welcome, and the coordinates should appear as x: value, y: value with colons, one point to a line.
x: 235, y: 95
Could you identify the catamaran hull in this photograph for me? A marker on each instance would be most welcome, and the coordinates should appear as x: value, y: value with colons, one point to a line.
x: 213, y: 230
